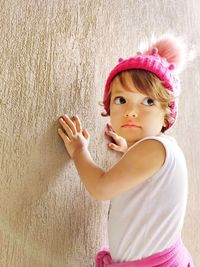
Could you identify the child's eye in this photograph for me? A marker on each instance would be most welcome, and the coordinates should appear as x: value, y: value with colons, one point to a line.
x: 119, y: 97
x: 149, y: 101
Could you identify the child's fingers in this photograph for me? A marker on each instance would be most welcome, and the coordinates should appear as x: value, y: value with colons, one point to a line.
x: 67, y: 124
x: 109, y: 126
x: 86, y: 134
x: 114, y: 147
x: 78, y: 123
x: 63, y: 135
x: 112, y: 134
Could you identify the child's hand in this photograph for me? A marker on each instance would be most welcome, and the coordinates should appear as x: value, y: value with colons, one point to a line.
x: 120, y: 143
x: 75, y: 139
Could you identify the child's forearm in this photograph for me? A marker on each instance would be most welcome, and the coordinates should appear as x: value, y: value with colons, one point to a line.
x: 89, y: 172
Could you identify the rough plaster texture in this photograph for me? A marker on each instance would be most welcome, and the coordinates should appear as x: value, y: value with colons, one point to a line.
x: 54, y: 59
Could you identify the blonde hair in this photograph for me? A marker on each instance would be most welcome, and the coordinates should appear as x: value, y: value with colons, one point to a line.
x: 147, y: 83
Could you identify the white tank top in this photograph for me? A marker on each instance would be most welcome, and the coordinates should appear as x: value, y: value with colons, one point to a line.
x: 149, y: 218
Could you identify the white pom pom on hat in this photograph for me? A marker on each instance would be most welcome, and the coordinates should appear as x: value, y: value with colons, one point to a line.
x: 172, y: 48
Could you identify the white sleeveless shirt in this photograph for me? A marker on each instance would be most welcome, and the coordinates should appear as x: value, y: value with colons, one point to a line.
x: 149, y: 217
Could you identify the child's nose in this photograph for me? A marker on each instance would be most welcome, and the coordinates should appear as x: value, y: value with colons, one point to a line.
x: 131, y: 114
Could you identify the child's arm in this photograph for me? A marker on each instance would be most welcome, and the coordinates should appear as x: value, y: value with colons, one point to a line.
x: 89, y: 172
x: 138, y: 164
x: 76, y: 141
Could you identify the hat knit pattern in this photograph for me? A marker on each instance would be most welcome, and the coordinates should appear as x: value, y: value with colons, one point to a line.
x: 162, y: 59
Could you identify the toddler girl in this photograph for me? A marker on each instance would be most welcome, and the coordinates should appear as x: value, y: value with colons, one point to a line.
x: 148, y: 186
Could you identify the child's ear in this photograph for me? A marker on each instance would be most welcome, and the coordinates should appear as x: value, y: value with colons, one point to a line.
x: 165, y: 121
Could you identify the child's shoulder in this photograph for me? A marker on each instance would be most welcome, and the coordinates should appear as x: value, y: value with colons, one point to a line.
x: 159, y: 137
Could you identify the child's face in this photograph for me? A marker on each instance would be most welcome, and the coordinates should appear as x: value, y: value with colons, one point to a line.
x: 136, y: 108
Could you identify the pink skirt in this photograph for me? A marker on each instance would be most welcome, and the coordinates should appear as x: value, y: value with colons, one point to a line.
x: 174, y: 256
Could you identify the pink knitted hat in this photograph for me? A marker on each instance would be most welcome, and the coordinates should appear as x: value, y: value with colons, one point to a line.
x: 161, y: 59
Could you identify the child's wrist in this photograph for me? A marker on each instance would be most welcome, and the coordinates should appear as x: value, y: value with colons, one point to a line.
x: 78, y: 152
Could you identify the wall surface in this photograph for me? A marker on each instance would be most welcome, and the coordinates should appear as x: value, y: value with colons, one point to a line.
x: 54, y: 58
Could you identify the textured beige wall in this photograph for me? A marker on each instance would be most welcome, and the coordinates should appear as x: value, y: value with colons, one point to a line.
x: 54, y: 59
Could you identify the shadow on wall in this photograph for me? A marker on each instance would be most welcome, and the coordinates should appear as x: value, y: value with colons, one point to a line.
x: 42, y: 211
